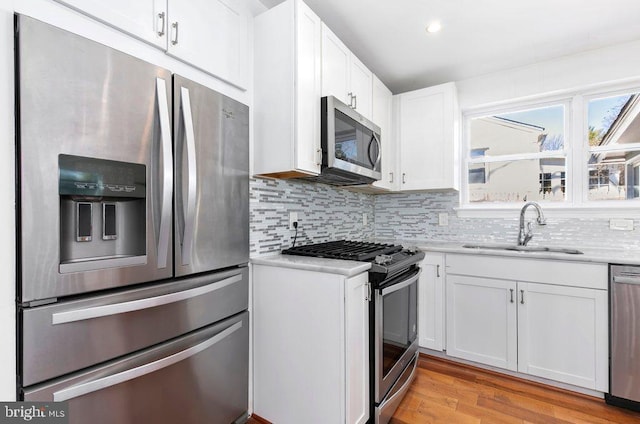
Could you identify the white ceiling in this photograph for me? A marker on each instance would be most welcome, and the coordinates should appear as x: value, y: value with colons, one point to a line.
x: 478, y: 36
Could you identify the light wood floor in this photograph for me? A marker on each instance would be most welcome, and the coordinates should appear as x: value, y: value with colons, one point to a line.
x: 447, y: 392
x: 450, y: 393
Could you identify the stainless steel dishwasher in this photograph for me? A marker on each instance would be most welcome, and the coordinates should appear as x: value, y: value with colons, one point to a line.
x: 624, y: 371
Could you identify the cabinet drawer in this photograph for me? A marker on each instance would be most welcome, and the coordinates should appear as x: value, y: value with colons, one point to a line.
x: 566, y: 273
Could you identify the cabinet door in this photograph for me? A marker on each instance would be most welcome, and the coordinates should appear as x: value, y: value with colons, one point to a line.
x: 481, y: 320
x: 562, y: 334
x: 357, y: 349
x: 335, y: 67
x: 361, y: 85
x: 428, y: 137
x: 431, y: 302
x: 144, y: 19
x: 381, y: 111
x: 308, y: 35
x: 212, y: 35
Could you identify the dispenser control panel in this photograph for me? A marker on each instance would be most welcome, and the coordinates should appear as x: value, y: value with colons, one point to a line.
x: 83, y: 176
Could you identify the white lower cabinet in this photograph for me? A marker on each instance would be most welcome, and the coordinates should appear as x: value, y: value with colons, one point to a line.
x: 310, y: 346
x: 562, y: 334
x: 556, y: 331
x: 431, y: 302
x: 481, y: 321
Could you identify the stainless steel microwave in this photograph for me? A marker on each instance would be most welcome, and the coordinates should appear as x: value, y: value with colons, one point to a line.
x: 351, y: 149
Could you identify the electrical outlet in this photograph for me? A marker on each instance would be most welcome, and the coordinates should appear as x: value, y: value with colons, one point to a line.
x: 443, y: 219
x: 621, y: 224
x: 293, y: 217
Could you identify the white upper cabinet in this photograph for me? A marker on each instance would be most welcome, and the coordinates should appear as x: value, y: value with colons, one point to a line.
x: 428, y: 121
x: 144, y: 19
x: 212, y: 35
x: 344, y: 75
x: 287, y: 43
x: 381, y: 115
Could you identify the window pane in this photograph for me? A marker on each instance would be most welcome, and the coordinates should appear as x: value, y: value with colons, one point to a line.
x: 609, y: 118
x: 614, y: 176
x: 520, y: 180
x: 529, y: 131
x: 614, y: 122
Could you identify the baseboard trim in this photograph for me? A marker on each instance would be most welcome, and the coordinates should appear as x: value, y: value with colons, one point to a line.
x: 578, y: 391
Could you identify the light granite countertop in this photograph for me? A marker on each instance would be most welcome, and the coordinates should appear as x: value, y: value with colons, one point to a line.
x: 602, y: 255
x: 306, y: 263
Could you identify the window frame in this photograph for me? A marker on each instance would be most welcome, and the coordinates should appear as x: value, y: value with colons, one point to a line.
x: 576, y: 153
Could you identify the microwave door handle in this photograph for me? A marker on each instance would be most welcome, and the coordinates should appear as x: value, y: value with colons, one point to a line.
x: 374, y: 162
x: 189, y: 206
x: 167, y: 172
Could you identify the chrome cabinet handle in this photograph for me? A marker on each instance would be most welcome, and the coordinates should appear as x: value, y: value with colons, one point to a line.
x: 319, y: 157
x: 121, y: 377
x: 355, y: 102
x: 139, y: 304
x: 162, y: 22
x: 167, y: 173
x: 350, y: 94
x: 189, y: 206
x: 404, y: 178
x: 390, y: 177
x: 511, y: 290
x: 174, y: 38
x: 437, y: 271
x: 522, y: 297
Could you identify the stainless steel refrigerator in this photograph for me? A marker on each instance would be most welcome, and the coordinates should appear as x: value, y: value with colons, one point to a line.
x: 133, y: 236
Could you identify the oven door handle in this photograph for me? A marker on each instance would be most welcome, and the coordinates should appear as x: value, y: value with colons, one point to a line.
x: 403, y: 284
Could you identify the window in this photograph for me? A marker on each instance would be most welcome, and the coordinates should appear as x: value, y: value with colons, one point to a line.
x: 614, y: 151
x: 516, y: 154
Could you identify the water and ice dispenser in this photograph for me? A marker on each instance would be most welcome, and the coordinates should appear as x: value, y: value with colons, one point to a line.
x: 102, y: 213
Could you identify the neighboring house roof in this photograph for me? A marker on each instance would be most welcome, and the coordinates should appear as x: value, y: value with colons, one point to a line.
x: 524, y: 124
x: 626, y: 127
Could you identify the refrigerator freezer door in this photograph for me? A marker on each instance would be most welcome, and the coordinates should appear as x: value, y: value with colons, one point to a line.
x: 68, y: 336
x: 211, y: 150
x: 199, y: 378
x: 83, y: 100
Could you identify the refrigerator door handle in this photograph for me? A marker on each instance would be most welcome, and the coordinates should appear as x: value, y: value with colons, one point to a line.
x: 106, y: 382
x: 139, y: 304
x: 167, y: 172
x: 189, y: 206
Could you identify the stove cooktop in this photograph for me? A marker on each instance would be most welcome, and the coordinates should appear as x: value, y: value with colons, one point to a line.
x: 387, y: 260
x: 344, y: 249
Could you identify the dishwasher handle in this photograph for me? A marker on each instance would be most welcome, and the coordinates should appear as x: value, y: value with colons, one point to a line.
x: 627, y: 279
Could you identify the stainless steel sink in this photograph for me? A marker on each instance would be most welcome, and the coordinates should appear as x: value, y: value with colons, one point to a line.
x: 523, y: 248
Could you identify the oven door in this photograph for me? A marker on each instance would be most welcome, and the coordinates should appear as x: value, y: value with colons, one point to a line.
x: 395, y: 329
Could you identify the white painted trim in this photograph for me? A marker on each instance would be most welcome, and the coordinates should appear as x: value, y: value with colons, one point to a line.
x: 603, y: 211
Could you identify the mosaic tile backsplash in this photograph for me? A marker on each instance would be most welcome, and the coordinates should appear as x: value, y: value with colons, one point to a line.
x: 329, y: 213
x: 415, y: 216
x: 325, y: 213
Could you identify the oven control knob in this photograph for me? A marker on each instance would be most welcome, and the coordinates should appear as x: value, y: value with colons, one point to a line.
x: 383, y: 259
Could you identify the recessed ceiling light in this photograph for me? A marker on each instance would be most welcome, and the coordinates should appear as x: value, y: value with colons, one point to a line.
x: 434, y: 27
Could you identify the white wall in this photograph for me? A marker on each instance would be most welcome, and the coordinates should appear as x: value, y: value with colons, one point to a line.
x: 56, y: 14
x: 592, y: 68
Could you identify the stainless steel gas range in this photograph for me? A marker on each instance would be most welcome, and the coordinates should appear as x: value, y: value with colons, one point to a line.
x: 393, y: 316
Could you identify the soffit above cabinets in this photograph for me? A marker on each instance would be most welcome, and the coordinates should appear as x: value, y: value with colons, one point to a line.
x: 476, y: 37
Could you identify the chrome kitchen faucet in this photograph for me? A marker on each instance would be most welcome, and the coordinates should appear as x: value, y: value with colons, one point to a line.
x: 525, y: 236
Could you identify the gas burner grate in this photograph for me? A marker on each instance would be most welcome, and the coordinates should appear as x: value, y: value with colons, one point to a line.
x: 344, y: 249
